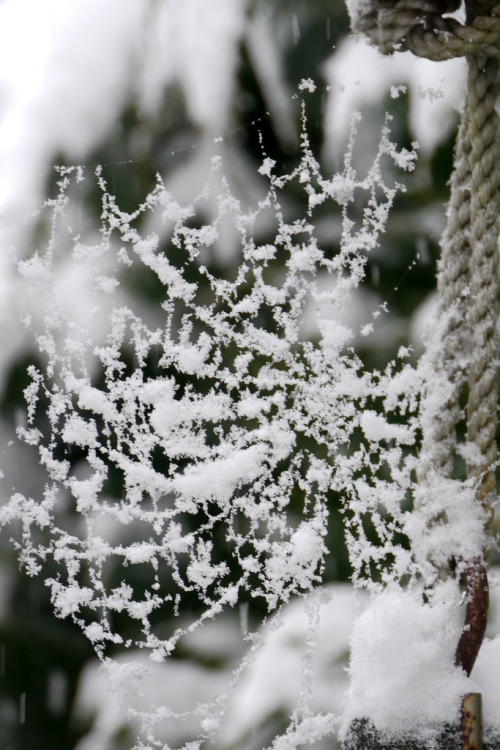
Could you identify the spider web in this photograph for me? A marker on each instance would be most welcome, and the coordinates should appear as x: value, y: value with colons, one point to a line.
x: 219, y: 424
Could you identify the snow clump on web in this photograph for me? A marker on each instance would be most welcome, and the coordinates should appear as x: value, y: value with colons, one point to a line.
x: 217, y: 425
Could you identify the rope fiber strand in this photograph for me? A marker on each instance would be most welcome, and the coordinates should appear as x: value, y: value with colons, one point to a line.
x: 419, y: 26
x: 463, y: 347
x: 483, y: 308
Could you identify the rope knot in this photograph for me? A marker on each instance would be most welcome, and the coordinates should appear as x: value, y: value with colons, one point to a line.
x: 425, y: 28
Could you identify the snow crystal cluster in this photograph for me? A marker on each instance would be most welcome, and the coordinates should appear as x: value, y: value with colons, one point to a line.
x: 218, y: 422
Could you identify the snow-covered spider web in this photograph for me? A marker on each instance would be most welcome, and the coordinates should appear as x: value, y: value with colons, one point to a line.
x: 190, y: 457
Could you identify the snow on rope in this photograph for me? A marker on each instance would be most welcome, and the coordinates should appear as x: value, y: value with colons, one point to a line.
x: 463, y: 345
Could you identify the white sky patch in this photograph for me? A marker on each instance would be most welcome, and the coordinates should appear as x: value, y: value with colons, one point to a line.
x: 62, y: 85
x: 268, y: 65
x: 358, y: 75
x: 70, y: 68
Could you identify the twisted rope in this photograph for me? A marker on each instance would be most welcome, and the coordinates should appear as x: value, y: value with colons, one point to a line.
x: 482, y: 402
x: 468, y: 282
x: 447, y: 351
x: 419, y: 26
x: 468, y: 291
x: 483, y: 309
